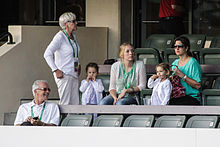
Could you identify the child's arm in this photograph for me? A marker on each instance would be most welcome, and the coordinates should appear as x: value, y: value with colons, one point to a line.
x: 167, y: 89
x: 98, y: 86
x: 84, y: 85
x: 151, y: 83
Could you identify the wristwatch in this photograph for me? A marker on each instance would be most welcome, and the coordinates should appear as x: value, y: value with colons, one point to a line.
x: 131, y: 90
x: 184, y: 78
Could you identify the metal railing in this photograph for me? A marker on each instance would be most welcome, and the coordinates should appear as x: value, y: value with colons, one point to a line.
x: 7, y: 34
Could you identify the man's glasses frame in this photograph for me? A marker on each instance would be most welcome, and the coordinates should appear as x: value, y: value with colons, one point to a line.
x: 44, y: 89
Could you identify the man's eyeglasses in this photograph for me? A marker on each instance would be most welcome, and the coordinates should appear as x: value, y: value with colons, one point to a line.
x: 179, y: 46
x: 44, y: 89
x: 73, y: 21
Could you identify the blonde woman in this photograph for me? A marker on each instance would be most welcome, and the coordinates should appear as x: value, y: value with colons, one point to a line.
x: 127, y: 77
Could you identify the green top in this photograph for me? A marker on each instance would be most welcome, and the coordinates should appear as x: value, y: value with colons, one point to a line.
x: 126, y: 80
x: 191, y: 69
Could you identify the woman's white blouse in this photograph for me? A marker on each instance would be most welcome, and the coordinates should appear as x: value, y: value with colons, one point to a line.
x: 140, y: 75
x: 59, y: 54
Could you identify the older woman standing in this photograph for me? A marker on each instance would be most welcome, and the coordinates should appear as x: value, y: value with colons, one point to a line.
x: 62, y: 57
x: 127, y: 77
x: 189, y: 70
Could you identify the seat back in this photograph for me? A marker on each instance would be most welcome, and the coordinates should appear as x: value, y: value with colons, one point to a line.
x: 210, y: 56
x: 170, y: 55
x: 160, y: 41
x: 215, y: 42
x: 202, y: 122
x: 77, y: 120
x: 197, y: 41
x: 211, y: 97
x: 147, y: 55
x: 170, y: 121
x: 145, y: 96
x: 139, y: 121
x: 105, y: 81
x: 108, y: 121
x: 9, y: 118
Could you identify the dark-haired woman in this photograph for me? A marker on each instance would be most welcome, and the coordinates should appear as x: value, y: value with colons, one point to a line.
x: 189, y: 70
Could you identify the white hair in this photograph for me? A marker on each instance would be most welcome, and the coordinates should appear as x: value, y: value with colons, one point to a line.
x: 36, y: 85
x: 65, y: 17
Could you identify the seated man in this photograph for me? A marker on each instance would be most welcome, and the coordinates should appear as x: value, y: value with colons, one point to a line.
x: 38, y: 112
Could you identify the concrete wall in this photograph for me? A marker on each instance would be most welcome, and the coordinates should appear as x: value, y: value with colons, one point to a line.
x: 108, y: 137
x: 23, y: 62
x: 106, y: 13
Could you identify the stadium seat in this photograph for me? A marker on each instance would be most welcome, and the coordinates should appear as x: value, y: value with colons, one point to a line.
x: 9, y: 118
x: 139, y: 121
x: 160, y: 41
x: 77, y: 120
x: 145, y: 96
x: 148, y: 55
x: 105, y: 81
x: 170, y: 121
x: 108, y: 121
x: 211, y: 97
x: 170, y: 55
x: 202, y: 122
x: 210, y: 56
x: 215, y: 42
x: 197, y: 41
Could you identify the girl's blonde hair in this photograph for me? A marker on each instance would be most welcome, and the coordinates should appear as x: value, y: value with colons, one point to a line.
x: 122, y: 49
x: 166, y: 67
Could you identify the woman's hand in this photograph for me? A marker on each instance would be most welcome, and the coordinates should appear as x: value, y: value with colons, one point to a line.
x: 59, y: 74
x: 122, y: 94
x: 178, y: 72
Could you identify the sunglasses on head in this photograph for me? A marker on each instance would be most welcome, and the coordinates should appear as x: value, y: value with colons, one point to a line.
x: 179, y: 46
x: 44, y: 89
x: 73, y: 21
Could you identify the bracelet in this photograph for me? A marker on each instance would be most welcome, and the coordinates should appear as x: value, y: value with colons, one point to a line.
x: 184, y: 78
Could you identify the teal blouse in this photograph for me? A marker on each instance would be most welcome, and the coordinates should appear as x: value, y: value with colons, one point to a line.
x: 191, y: 69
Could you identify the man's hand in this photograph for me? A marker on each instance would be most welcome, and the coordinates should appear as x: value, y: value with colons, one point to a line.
x: 37, y: 122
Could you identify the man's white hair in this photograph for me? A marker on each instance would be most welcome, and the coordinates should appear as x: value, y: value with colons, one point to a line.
x: 36, y: 85
x: 65, y: 17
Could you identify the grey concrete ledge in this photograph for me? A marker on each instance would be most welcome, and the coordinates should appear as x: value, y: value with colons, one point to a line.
x: 141, y: 109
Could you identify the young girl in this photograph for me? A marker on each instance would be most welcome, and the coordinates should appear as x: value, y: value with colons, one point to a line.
x: 91, y: 87
x: 161, y: 85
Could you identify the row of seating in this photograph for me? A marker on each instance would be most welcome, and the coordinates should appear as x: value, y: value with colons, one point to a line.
x: 166, y: 121
x: 158, y: 48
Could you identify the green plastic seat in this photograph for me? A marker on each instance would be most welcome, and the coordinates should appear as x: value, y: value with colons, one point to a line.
x: 139, y: 121
x: 145, y: 96
x: 170, y: 55
x: 215, y: 42
x: 211, y: 97
x: 77, y: 120
x: 170, y: 121
x: 202, y: 122
x: 108, y: 121
x: 210, y: 56
x: 160, y: 41
x: 9, y: 118
x: 147, y: 55
x: 105, y: 81
x: 197, y: 41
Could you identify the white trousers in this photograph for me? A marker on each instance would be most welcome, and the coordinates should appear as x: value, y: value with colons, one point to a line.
x: 68, y: 89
